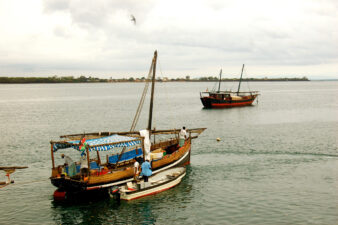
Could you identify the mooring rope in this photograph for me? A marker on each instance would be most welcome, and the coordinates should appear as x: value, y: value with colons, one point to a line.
x: 31, y: 182
x: 23, y: 183
x: 4, y: 185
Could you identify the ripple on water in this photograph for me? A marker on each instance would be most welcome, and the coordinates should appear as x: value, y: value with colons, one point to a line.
x: 276, y: 162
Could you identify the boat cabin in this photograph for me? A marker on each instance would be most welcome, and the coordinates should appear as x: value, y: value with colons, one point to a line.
x: 110, y: 157
x: 103, y: 154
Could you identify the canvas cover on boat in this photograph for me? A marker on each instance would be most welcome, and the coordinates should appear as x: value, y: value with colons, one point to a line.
x: 147, y: 143
x: 234, y: 97
x: 126, y: 156
x: 100, y: 144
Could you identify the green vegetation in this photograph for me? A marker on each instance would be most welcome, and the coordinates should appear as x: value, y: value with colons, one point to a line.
x: 83, y: 79
x: 255, y: 79
x: 54, y: 79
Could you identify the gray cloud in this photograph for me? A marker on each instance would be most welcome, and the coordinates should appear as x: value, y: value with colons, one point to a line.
x: 99, y: 14
x: 261, y: 38
x: 51, y: 6
x: 60, y: 31
x: 192, y: 36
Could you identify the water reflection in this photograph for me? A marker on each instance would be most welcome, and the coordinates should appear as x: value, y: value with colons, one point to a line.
x: 104, y: 210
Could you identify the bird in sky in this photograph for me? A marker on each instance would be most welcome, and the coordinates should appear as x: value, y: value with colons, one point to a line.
x: 132, y: 18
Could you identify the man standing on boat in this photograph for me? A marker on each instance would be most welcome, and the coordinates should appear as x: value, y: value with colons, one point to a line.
x: 182, y: 136
x: 84, y: 165
x: 68, y: 160
x: 146, y: 170
x: 136, y: 168
x: 69, y: 165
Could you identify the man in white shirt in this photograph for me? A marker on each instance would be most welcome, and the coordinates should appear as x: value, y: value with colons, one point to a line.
x: 70, y: 166
x: 136, y: 169
x: 84, y: 165
x: 182, y: 136
x: 68, y: 160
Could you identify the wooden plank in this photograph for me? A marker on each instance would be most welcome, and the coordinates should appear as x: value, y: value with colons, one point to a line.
x: 98, y: 157
x: 88, y: 159
x: 119, y: 158
x: 136, y: 133
x: 52, y: 153
x: 12, y: 167
x: 113, y: 143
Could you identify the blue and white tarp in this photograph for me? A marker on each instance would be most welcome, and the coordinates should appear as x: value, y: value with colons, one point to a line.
x: 100, y: 144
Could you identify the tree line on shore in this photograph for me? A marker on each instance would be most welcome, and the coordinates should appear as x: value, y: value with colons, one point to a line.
x: 84, y: 79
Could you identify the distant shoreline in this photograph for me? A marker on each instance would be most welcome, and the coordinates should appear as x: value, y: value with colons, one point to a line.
x: 83, y: 79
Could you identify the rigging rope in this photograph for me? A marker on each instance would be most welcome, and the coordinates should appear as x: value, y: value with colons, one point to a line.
x: 139, y: 108
x: 247, y: 81
x: 233, y: 82
x: 166, y: 95
x: 22, y: 183
x: 172, y: 124
x: 214, y: 87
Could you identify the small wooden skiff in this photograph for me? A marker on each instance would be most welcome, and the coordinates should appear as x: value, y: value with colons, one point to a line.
x: 157, y: 183
x: 9, y: 170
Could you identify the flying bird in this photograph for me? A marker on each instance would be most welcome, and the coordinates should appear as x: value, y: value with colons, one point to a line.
x: 132, y: 18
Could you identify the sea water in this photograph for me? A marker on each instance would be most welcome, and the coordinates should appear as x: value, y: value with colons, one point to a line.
x: 276, y: 161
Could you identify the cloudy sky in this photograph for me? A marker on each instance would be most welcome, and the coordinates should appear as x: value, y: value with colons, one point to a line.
x: 274, y: 38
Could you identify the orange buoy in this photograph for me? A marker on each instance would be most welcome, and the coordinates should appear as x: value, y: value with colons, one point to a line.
x: 59, y: 195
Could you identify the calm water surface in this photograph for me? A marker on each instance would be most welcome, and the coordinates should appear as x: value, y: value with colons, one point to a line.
x: 276, y: 163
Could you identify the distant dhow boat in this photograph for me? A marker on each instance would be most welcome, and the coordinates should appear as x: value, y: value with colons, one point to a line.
x: 227, y: 99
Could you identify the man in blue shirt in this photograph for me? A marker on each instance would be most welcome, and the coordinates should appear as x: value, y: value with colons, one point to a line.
x: 146, y: 170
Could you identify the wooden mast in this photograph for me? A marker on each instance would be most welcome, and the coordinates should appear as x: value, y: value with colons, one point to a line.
x: 152, y: 93
x: 240, y: 80
x: 52, y: 154
x: 88, y: 158
x: 142, y: 147
x: 220, y: 80
x: 98, y: 157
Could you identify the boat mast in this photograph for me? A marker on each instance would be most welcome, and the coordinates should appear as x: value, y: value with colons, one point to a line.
x: 220, y: 79
x: 240, y: 80
x: 152, y: 91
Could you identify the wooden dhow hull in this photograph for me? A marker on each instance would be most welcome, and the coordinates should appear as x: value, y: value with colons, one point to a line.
x: 180, y: 157
x: 209, y: 102
x: 118, y: 168
x: 227, y: 99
